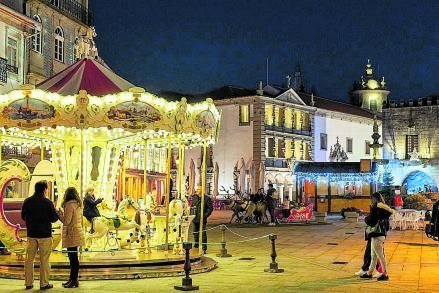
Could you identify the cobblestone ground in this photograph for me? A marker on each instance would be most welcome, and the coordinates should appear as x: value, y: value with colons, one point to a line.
x: 306, y: 252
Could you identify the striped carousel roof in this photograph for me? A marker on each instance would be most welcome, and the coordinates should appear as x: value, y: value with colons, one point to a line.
x: 86, y: 74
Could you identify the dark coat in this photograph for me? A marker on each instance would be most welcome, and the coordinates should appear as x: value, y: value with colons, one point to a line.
x: 379, y: 213
x: 435, y: 219
x: 90, y: 207
x: 39, y: 213
x: 208, y: 207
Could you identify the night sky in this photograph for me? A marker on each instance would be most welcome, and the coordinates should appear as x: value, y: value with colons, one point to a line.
x: 196, y: 46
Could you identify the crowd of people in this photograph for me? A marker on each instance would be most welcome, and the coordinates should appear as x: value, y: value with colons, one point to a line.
x: 39, y: 213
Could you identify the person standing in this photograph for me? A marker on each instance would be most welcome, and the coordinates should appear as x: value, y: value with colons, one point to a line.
x: 39, y: 213
x: 72, y: 232
x: 271, y: 203
x: 90, y: 206
x: 377, y: 226
x: 208, y: 209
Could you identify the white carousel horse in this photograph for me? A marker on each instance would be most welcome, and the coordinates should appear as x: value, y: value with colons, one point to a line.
x: 103, y: 225
x: 178, y: 209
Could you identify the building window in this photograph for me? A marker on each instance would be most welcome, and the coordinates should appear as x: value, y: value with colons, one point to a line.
x: 288, y: 117
x: 244, y: 114
x: 36, y: 36
x: 269, y: 115
x: 12, y: 51
x: 59, y: 44
x: 367, y: 146
x: 55, y: 2
x: 349, y: 145
x: 271, y: 151
x: 277, y: 116
x: 411, y: 145
x: 323, y: 141
x: 281, y: 148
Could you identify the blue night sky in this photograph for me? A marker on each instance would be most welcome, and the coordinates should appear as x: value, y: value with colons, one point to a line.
x: 195, y: 46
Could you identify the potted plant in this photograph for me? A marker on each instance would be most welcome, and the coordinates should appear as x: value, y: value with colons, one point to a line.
x: 350, y: 214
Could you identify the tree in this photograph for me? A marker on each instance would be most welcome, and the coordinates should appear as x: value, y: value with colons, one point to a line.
x: 387, y: 179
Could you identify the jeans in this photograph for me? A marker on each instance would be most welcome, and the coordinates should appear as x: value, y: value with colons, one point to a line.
x: 196, y: 235
x: 72, y: 252
x: 44, y: 247
x: 377, y: 252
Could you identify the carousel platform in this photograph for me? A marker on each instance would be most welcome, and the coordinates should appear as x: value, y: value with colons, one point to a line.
x: 112, y: 265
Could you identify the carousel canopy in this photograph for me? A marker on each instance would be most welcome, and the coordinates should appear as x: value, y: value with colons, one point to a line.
x: 86, y: 74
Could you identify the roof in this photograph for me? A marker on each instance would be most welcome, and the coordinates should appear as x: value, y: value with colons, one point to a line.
x: 272, y: 91
x: 86, y: 74
x: 221, y: 93
x: 332, y: 105
x: 330, y: 167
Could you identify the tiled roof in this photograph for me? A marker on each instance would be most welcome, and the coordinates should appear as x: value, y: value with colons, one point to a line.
x: 230, y: 91
x: 332, y: 105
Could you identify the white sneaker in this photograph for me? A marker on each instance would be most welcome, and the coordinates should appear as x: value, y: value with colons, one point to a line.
x: 360, y: 273
x: 377, y: 275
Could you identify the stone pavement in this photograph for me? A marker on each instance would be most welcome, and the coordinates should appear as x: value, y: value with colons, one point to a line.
x: 306, y: 252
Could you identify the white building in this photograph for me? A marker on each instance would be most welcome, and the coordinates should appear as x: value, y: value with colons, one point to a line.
x: 342, y: 123
x: 15, y: 30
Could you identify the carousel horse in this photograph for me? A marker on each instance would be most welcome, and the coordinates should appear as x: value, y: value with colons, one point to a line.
x: 104, y: 225
x: 178, y: 210
x: 104, y: 209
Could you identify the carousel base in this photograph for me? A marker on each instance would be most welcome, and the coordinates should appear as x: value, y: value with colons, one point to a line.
x: 111, y: 265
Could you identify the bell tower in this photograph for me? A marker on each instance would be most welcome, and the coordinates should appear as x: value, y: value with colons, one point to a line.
x: 369, y: 93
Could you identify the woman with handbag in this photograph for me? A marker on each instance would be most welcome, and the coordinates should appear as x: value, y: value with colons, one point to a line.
x: 72, y: 232
x: 377, y: 226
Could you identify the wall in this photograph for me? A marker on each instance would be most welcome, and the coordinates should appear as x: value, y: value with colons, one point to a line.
x: 234, y: 142
x: 8, y: 28
x: 44, y: 65
x: 360, y: 130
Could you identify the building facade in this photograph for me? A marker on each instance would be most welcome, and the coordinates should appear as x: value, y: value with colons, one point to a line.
x: 53, y: 46
x: 15, y: 30
x: 410, y: 131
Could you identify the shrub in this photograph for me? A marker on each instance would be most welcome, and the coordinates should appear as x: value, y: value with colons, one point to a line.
x: 417, y: 202
x: 351, y: 209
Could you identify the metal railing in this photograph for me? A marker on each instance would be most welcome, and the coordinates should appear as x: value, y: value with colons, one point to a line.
x: 5, y: 68
x: 305, y: 132
x: 73, y: 9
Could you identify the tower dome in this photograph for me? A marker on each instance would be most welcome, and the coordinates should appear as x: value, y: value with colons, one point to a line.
x: 369, y: 93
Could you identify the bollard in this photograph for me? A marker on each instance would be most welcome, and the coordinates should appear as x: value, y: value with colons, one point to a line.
x: 223, y: 252
x: 187, y: 281
x: 273, y: 265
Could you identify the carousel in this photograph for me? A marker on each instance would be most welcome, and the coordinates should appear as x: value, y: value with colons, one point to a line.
x: 88, y: 128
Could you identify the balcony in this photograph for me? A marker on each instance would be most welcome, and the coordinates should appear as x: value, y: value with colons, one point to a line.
x: 5, y: 68
x: 276, y: 163
x: 288, y: 130
x: 73, y: 9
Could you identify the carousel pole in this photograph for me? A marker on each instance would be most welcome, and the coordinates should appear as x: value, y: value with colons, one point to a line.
x: 203, y: 190
x: 82, y: 162
x: 1, y: 147
x: 42, y: 151
x: 144, y: 170
x: 168, y: 191
x: 182, y: 181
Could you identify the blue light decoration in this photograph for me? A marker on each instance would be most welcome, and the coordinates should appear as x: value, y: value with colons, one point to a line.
x: 416, y: 182
x: 340, y: 177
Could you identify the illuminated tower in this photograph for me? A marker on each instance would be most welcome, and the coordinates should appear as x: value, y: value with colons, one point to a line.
x: 369, y: 93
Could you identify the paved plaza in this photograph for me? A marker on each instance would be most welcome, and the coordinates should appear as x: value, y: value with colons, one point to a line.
x: 308, y: 253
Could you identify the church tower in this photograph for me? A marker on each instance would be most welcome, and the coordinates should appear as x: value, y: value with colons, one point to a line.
x: 369, y: 93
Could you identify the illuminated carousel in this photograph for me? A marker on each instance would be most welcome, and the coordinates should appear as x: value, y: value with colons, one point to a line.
x: 87, y: 127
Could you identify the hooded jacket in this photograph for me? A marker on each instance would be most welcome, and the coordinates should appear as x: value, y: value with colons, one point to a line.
x: 379, y: 213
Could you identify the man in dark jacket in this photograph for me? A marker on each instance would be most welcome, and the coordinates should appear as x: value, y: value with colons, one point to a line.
x: 208, y: 209
x: 39, y: 213
x: 271, y: 203
x: 90, y: 206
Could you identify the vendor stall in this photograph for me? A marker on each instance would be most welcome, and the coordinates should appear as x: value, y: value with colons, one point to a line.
x: 332, y: 186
